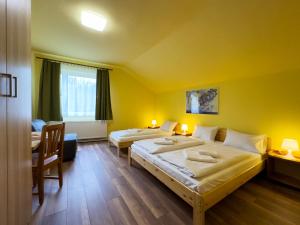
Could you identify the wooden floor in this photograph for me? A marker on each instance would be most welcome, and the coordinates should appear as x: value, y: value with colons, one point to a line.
x: 100, y: 188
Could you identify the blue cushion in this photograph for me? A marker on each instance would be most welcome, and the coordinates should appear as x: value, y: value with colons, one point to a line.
x: 37, y: 125
x: 71, y: 137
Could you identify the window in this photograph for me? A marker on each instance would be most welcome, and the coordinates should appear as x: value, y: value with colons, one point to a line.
x: 78, y: 92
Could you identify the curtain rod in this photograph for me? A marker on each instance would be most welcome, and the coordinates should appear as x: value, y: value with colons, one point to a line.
x: 78, y: 64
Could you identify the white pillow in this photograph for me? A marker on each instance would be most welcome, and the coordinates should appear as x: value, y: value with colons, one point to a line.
x: 207, y: 134
x: 248, y: 142
x: 168, y: 126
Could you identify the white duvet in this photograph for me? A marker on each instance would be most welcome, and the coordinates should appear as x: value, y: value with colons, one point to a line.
x: 205, y: 183
x: 151, y: 146
x: 135, y: 132
x: 196, y: 169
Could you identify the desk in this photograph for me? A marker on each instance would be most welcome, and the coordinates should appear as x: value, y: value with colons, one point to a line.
x: 35, y: 144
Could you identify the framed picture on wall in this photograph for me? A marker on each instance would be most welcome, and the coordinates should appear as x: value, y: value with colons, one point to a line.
x: 203, y: 101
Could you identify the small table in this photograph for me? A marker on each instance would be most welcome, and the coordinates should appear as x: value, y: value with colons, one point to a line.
x: 284, y: 168
x: 35, y: 145
x: 35, y: 140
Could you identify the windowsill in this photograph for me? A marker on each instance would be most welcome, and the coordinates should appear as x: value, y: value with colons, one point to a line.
x: 79, y: 119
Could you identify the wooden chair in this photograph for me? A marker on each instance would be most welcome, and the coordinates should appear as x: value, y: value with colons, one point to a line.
x: 50, y: 155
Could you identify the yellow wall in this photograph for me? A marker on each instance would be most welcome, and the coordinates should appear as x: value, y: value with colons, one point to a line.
x: 132, y: 103
x: 268, y: 104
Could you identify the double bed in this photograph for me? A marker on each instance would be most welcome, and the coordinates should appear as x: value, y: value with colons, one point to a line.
x: 207, y: 183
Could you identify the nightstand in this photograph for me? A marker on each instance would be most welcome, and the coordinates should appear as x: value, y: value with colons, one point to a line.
x: 186, y: 134
x: 284, y: 168
x: 150, y: 127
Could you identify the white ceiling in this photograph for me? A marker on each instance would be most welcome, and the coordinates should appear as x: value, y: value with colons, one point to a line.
x: 176, y: 44
x: 133, y: 27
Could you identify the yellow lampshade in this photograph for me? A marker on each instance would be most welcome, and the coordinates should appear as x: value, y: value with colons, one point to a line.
x: 184, y: 127
x: 153, y: 122
x: 290, y: 144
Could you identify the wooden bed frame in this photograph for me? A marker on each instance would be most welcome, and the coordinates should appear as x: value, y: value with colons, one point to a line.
x: 119, y: 145
x: 199, y: 202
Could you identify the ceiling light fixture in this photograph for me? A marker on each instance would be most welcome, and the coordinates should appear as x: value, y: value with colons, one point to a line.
x: 93, y: 20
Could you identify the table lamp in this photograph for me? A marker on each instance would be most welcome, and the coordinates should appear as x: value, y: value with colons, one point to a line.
x: 291, y: 145
x: 184, y: 128
x: 153, y: 122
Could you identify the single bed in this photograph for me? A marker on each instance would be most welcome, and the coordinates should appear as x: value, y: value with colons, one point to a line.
x: 200, y: 192
x: 123, y: 139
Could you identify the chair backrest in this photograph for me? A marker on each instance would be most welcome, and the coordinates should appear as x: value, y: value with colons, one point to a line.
x: 52, y: 141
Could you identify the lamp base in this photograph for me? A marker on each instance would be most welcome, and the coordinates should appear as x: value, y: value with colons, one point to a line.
x: 296, y: 154
x: 281, y: 152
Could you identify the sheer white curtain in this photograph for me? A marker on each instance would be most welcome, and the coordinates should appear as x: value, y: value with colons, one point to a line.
x: 78, y: 92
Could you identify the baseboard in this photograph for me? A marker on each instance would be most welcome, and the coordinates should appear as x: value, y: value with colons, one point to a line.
x: 85, y: 140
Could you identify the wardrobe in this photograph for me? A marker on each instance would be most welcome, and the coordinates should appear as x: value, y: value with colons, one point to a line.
x: 15, y: 112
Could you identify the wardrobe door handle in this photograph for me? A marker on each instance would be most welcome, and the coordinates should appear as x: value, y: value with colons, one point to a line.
x: 9, y: 77
x: 15, y: 79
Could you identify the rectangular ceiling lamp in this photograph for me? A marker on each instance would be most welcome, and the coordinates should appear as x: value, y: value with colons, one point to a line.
x: 93, y: 20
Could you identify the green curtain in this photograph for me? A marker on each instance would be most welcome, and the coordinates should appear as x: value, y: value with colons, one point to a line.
x: 49, y: 95
x: 103, y: 103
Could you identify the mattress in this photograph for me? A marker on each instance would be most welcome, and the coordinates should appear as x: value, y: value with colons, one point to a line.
x: 206, y: 183
x: 119, y: 135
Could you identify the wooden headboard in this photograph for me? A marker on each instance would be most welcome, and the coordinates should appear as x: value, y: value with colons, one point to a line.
x: 221, y: 134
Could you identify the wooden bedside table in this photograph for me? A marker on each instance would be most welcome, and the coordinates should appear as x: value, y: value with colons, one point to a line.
x: 150, y: 127
x: 284, y: 168
x: 186, y: 134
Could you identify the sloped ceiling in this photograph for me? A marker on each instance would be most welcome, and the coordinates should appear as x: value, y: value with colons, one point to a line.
x: 176, y: 44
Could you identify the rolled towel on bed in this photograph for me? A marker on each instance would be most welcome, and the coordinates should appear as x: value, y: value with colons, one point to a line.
x: 196, y: 156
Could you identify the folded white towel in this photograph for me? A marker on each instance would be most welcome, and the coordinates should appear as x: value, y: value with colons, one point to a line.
x: 210, y: 153
x: 195, y: 156
x: 164, y: 142
x: 135, y: 130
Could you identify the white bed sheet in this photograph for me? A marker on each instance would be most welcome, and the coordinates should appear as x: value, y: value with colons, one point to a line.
x: 118, y: 136
x: 207, y: 183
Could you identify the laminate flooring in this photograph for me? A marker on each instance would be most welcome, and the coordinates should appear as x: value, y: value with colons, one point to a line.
x: 101, y: 189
